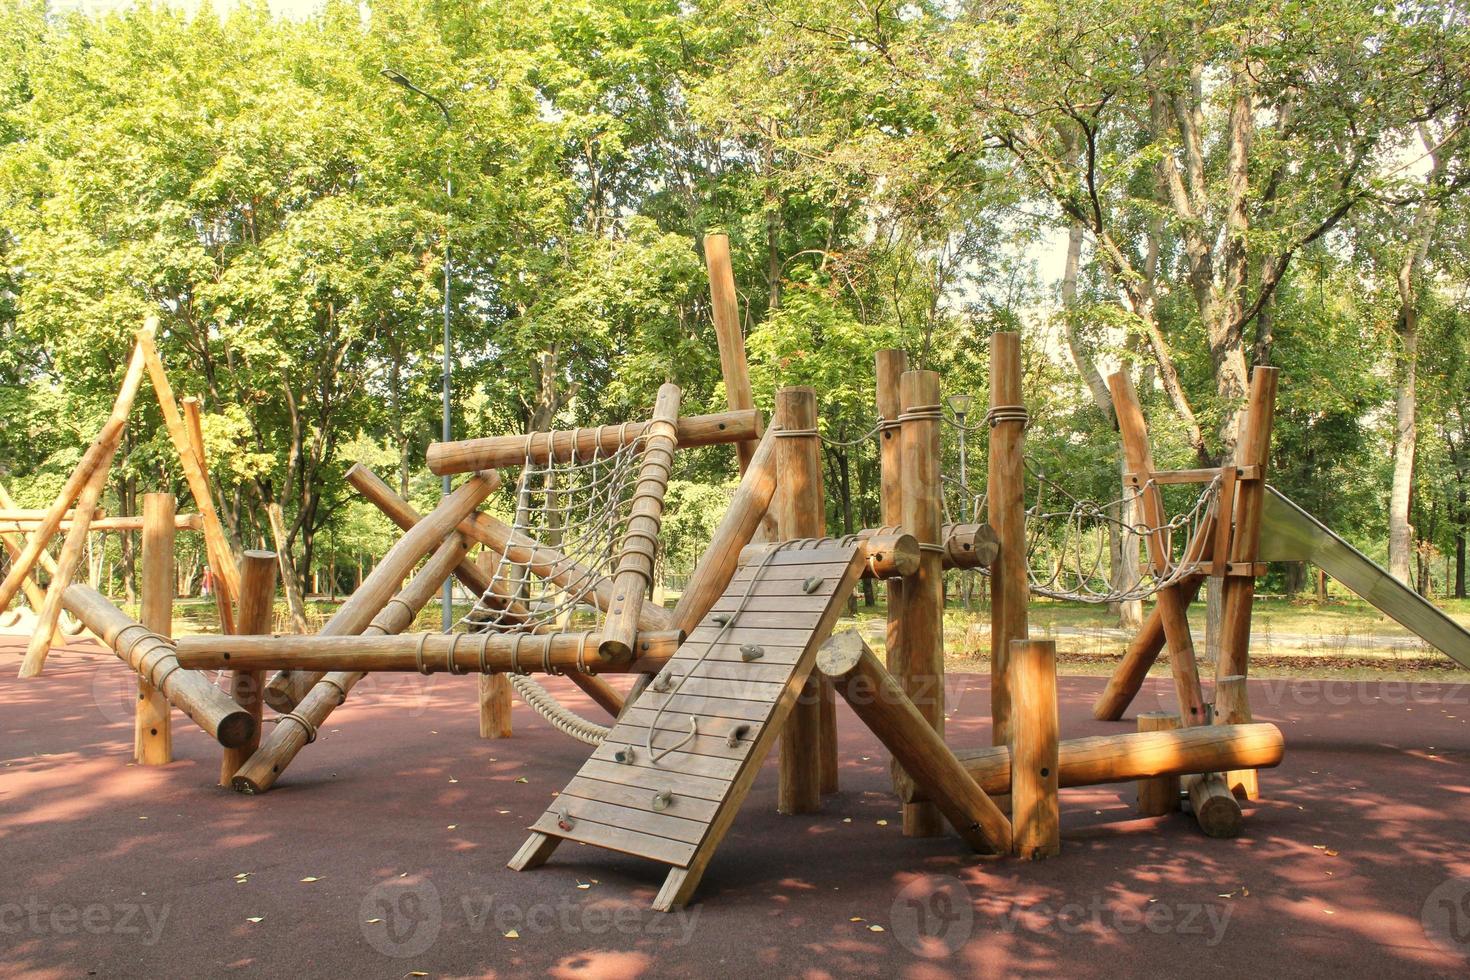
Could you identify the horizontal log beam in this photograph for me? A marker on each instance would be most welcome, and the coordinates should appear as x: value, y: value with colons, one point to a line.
x: 1129, y: 756
x: 182, y: 522
x: 498, y: 451
x: 965, y: 545
x: 421, y: 653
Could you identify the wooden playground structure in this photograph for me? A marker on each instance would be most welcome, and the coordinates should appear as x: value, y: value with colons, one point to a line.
x: 747, y: 659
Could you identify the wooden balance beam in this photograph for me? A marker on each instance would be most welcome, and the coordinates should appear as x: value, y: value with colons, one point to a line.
x: 1128, y: 756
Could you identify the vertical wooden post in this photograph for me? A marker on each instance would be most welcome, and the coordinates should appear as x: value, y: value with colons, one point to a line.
x: 640, y: 540
x: 891, y: 364
x: 255, y: 614
x: 153, y: 740
x: 1173, y: 611
x: 1160, y: 794
x: 1035, y: 740
x: 1006, y: 495
x: 798, y: 515
x: 731, y: 340
x: 1236, y: 710
x: 495, y: 702
x: 1252, y: 450
x: 923, y: 592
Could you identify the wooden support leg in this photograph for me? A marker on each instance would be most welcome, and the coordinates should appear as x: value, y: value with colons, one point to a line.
x: 1035, y: 814
x: 678, y: 889
x: 153, y: 740
x: 876, y: 698
x: 494, y: 706
x: 1160, y: 794
x: 1233, y: 708
x: 799, y: 515
x: 255, y: 615
x: 1214, y: 808
x: 1006, y: 493
x: 923, y: 592
x: 533, y: 852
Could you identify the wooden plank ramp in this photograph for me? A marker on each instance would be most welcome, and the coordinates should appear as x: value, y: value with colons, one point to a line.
x: 713, y: 726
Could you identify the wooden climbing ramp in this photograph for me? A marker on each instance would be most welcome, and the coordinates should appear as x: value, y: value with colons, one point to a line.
x: 713, y: 714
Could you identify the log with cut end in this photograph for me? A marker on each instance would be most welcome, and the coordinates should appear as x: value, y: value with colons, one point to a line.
x: 494, y: 452
x: 152, y: 657
x: 877, y: 699
x: 1125, y: 757
x: 1215, y: 808
x: 422, y: 652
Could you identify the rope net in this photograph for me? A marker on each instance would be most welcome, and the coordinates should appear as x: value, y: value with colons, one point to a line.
x: 569, y: 519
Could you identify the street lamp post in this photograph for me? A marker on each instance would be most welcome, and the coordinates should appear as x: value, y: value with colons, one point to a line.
x: 398, y: 78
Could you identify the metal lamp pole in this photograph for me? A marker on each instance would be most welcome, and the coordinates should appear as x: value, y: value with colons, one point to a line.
x: 398, y: 78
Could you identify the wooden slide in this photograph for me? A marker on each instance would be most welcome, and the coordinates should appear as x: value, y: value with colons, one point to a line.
x: 1289, y: 533
x: 742, y: 682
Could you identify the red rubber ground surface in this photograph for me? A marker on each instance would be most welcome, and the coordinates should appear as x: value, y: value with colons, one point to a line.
x: 403, y: 815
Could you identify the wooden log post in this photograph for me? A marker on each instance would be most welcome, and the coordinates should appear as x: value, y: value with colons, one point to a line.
x: 256, y: 615
x: 737, y: 529
x: 152, y: 656
x: 1010, y: 589
x: 298, y: 728
x: 725, y: 309
x: 890, y: 366
x: 494, y: 452
x: 493, y: 689
x: 1035, y: 734
x: 1173, y: 612
x: 1232, y: 707
x: 878, y: 699
x: 103, y: 446
x: 922, y: 608
x: 638, y: 553
x: 216, y: 545
x: 801, y: 771
x: 1158, y: 795
x: 1126, y: 757
x: 286, y: 689
x: 1253, y: 452
x: 153, y: 737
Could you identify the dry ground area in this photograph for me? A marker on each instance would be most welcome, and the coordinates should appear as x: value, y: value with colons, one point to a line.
x: 382, y: 851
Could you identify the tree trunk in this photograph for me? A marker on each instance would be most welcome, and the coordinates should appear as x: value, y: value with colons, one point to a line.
x: 290, y: 580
